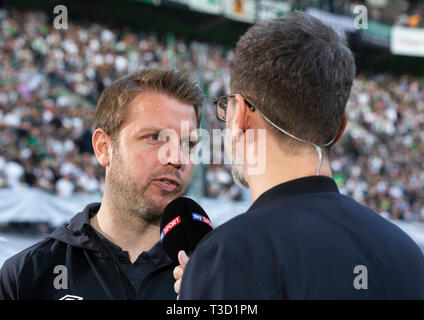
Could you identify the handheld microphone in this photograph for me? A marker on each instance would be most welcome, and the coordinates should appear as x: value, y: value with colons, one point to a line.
x: 184, y: 223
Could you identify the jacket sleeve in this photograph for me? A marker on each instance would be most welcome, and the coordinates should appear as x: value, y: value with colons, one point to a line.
x: 8, y: 281
x: 214, y: 272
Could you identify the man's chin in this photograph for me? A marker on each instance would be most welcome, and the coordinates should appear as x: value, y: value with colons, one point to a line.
x: 238, y: 177
x: 162, y: 199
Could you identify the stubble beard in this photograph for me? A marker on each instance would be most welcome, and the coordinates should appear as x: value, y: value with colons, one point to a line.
x: 129, y: 196
x: 237, y: 169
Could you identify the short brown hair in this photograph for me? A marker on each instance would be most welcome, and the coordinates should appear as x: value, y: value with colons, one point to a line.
x: 112, y: 106
x: 299, y: 74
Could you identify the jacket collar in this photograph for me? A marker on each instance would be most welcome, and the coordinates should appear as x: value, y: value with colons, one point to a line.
x: 74, y: 234
x: 80, y: 233
x: 80, y: 221
x: 305, y: 185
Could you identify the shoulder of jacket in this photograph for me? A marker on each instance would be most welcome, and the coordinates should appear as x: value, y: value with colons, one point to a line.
x: 20, y: 260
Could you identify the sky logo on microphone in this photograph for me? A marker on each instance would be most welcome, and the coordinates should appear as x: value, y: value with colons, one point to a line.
x: 201, y: 218
x: 197, y: 217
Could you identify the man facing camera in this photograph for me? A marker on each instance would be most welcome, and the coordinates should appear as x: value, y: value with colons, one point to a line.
x: 301, y: 238
x: 111, y: 250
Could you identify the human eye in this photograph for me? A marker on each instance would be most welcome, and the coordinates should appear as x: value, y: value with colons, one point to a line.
x: 224, y: 103
x: 153, y: 137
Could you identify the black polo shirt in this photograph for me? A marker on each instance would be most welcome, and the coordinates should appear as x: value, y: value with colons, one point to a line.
x: 304, y: 240
x: 145, y: 264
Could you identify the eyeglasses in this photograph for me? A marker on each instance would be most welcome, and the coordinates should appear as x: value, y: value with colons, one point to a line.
x: 221, y: 105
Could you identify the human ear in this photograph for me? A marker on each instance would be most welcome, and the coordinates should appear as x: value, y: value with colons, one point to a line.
x: 240, y: 113
x: 102, y: 146
x: 341, y: 128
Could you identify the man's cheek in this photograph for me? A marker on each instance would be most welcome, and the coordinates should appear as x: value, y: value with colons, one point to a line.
x: 189, y: 174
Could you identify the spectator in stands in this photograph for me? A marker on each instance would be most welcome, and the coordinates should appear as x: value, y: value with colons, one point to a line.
x: 38, y: 62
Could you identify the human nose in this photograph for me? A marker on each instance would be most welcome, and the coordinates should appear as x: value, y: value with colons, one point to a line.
x: 179, y: 154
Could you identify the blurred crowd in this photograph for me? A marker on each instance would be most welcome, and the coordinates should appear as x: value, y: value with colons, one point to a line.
x: 45, y: 132
x: 408, y: 13
x: 51, y: 79
x: 381, y: 159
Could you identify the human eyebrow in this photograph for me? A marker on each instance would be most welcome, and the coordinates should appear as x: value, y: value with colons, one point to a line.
x: 149, y: 129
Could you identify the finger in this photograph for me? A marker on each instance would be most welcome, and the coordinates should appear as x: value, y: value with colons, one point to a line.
x: 177, y: 286
x: 178, y: 272
x: 178, y: 297
x: 182, y: 258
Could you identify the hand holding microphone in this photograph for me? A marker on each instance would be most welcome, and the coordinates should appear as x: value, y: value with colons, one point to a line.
x: 179, y: 271
x: 184, y: 223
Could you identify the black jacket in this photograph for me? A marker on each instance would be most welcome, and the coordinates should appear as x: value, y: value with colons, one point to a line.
x: 304, y: 240
x: 92, y: 270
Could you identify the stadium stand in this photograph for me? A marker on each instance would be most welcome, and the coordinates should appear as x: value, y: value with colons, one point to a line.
x: 50, y: 81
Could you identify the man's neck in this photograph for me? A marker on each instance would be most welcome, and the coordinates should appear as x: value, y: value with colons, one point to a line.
x: 282, y: 168
x: 130, y: 233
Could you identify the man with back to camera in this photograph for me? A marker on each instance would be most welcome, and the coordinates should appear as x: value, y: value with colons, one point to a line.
x: 301, y: 238
x: 111, y: 250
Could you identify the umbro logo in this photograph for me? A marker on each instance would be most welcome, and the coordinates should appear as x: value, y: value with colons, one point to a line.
x: 71, y: 297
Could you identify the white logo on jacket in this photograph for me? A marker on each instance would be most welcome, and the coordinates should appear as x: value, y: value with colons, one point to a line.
x: 71, y: 297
